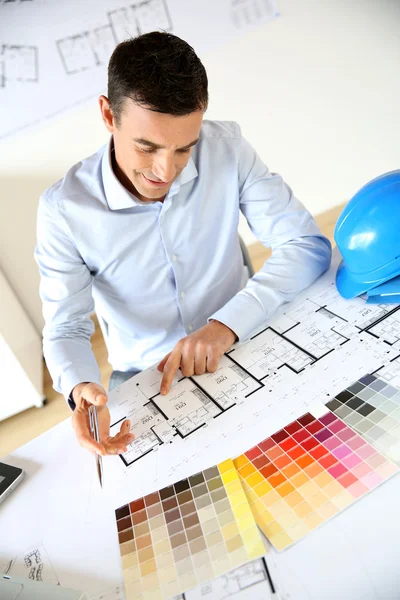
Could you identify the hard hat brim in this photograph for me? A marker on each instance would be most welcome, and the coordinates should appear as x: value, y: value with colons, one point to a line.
x: 346, y: 286
x: 349, y: 288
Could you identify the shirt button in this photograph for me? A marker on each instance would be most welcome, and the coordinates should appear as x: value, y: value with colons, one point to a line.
x: 174, y: 257
x: 182, y: 294
x: 190, y: 327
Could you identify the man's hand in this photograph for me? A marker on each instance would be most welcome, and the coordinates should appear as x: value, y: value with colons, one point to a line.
x: 85, y: 394
x: 198, y: 353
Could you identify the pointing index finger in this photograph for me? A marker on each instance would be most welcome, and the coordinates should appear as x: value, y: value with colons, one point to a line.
x: 160, y: 366
x: 170, y: 368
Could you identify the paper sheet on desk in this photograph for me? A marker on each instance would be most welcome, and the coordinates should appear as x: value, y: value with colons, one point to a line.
x: 309, y: 351
x: 33, y: 564
x: 252, y: 581
x: 116, y: 593
x: 61, y: 61
x: 243, y: 425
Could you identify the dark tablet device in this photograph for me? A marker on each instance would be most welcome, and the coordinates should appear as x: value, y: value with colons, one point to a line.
x: 10, y: 477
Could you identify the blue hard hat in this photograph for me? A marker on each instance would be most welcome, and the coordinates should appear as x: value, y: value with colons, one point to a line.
x: 367, y: 234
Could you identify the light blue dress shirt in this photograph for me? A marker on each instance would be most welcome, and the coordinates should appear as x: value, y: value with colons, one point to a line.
x: 155, y: 272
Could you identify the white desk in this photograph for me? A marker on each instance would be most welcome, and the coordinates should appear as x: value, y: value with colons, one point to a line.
x: 355, y: 556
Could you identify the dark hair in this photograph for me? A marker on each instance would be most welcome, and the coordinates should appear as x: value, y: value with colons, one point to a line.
x: 157, y: 70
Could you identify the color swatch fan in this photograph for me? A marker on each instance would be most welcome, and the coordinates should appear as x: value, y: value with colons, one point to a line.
x: 188, y: 533
x: 306, y: 473
x: 372, y: 407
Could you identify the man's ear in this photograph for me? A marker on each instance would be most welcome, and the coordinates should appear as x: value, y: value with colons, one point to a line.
x: 107, y: 114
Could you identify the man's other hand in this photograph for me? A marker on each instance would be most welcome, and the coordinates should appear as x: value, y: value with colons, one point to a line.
x: 85, y: 394
x: 197, y: 353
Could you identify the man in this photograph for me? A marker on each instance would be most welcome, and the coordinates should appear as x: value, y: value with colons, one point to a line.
x: 145, y: 232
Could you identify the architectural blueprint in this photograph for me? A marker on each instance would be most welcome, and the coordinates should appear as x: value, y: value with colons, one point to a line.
x: 33, y: 563
x: 57, y: 53
x: 19, y: 64
x: 191, y: 404
x: 251, y: 581
x: 116, y: 593
x: 309, y: 351
x: 256, y: 580
x: 14, y: 1
x: 250, y: 12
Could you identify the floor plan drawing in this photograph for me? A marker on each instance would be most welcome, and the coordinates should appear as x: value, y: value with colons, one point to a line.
x: 15, y: 1
x: 251, y: 581
x: 189, y: 406
x: 103, y: 43
x: 309, y: 351
x: 355, y: 311
x: 186, y: 407
x: 248, y: 12
x: 229, y: 385
x: 93, y: 47
x: 33, y: 563
x: 18, y: 64
x: 319, y: 334
x: 150, y: 13
x: 123, y: 23
x: 117, y: 593
x: 391, y: 372
x: 76, y: 53
x: 87, y: 49
x: 267, y: 351
x: 388, y: 328
x: 74, y: 41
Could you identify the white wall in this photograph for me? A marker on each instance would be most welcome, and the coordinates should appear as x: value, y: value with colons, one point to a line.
x: 316, y: 92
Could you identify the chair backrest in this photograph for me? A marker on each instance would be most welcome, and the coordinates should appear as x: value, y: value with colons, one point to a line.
x: 246, y: 258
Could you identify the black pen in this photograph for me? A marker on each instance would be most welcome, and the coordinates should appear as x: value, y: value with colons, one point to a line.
x: 271, y: 585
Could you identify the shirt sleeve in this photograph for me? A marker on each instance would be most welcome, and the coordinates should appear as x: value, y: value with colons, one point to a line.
x: 300, y: 253
x: 66, y: 294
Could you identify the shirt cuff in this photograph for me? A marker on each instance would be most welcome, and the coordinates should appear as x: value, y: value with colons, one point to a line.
x: 242, y: 314
x: 71, y: 402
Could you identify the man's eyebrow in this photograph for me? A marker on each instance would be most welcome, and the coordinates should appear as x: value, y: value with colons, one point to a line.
x: 145, y: 142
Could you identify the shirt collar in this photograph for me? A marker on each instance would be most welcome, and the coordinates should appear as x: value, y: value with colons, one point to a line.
x: 118, y: 197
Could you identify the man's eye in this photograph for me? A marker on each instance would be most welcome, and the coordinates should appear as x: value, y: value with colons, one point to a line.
x: 152, y: 150
x: 146, y: 150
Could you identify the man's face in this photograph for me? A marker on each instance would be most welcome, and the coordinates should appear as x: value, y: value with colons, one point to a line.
x: 151, y: 148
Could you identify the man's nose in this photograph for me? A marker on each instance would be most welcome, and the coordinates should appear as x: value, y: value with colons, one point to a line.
x: 164, y: 168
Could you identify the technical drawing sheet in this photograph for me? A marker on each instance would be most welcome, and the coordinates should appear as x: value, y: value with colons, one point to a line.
x: 116, y: 593
x: 54, y: 55
x: 251, y: 581
x: 33, y: 563
x: 307, y: 353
